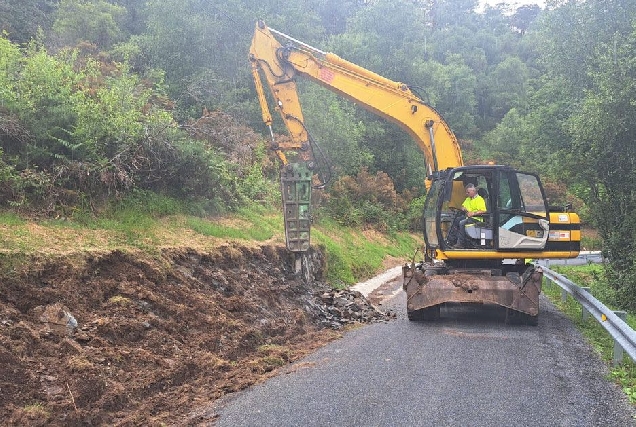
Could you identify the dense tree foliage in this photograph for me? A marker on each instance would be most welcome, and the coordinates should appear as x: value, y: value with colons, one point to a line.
x: 96, y: 21
x: 22, y: 19
x: 601, y: 150
x: 102, y: 97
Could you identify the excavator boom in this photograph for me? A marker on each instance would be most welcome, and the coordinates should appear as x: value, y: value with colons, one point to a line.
x: 391, y: 100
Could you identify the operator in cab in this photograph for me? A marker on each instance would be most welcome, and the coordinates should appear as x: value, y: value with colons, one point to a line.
x: 472, y: 206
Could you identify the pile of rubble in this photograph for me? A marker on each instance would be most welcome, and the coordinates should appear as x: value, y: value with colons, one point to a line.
x: 339, y: 307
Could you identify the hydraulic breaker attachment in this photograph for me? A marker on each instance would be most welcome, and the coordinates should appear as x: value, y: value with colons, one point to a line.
x: 295, y: 181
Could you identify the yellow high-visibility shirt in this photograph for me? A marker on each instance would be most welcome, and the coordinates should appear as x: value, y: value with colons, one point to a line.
x: 477, y: 203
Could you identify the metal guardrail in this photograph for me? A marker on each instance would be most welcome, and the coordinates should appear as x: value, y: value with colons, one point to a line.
x: 584, y: 258
x: 613, y: 321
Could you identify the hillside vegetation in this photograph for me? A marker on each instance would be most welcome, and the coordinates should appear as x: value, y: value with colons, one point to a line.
x: 105, y: 100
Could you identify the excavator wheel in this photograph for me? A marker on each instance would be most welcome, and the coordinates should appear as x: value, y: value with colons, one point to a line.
x: 429, y: 313
x: 518, y: 318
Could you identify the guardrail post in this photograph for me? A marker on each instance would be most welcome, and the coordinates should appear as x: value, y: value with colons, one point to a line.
x: 618, y: 350
x: 584, y: 313
x: 564, y: 295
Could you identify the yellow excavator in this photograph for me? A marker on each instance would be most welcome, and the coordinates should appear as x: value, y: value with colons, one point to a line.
x: 517, y: 225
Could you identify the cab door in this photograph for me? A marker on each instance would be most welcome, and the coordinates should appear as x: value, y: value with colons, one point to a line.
x: 523, y: 222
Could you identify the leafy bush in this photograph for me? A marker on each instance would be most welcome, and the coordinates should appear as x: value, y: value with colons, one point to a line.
x: 414, y: 214
x: 78, y: 131
x: 244, y: 150
x: 619, y: 249
x: 367, y: 200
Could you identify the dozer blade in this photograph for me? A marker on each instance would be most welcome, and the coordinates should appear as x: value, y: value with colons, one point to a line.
x: 425, y: 290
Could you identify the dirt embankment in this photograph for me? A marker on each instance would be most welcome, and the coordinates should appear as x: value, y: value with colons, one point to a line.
x: 129, y: 339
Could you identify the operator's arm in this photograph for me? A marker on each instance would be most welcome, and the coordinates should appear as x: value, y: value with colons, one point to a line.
x: 480, y: 205
x: 466, y: 204
x: 476, y: 206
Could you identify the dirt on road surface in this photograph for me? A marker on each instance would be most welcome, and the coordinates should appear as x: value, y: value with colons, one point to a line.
x: 129, y: 339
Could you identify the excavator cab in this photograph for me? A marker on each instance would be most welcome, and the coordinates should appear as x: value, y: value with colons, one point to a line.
x: 517, y: 217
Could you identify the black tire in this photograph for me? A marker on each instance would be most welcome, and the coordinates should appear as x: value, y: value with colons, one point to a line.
x: 531, y: 320
x: 514, y: 317
x: 426, y: 314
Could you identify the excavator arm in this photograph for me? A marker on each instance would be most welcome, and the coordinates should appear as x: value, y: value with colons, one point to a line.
x: 287, y: 102
x: 280, y: 64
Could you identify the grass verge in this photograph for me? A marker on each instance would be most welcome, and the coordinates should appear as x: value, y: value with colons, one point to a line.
x: 150, y: 223
x: 354, y: 255
x: 591, y: 276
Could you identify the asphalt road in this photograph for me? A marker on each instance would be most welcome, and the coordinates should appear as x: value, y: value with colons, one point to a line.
x: 467, y: 369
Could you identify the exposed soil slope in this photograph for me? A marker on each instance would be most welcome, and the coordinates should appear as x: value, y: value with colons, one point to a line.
x: 128, y: 339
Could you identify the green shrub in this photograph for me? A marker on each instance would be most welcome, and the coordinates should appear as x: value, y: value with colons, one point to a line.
x: 366, y: 199
x: 414, y: 214
x: 78, y: 131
